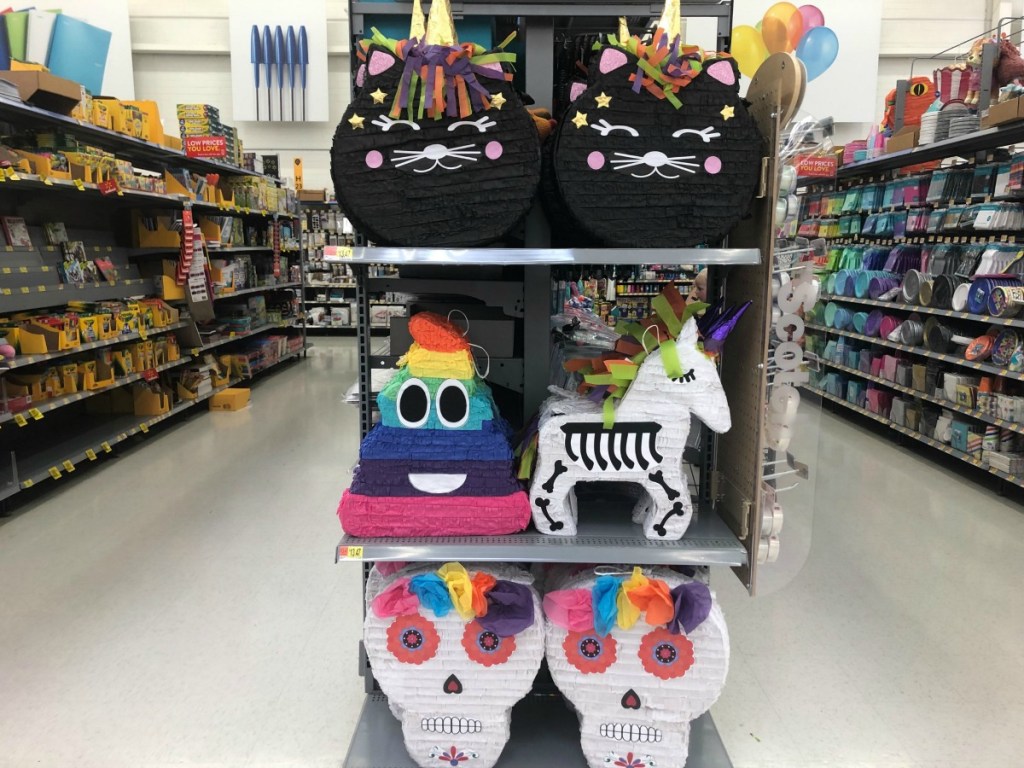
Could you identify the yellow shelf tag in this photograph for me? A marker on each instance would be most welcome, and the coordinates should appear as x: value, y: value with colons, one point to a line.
x: 350, y: 553
x: 35, y: 413
x: 68, y: 465
x: 28, y: 483
x: 41, y: 288
x: 144, y: 427
x: 47, y: 182
x: 80, y: 185
x: 55, y: 473
x: 90, y: 454
x: 23, y: 270
x: 20, y: 420
x: 106, y: 447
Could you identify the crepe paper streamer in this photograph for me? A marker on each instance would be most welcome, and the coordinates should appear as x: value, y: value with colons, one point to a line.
x: 655, y: 600
x: 510, y: 609
x: 436, y: 333
x: 482, y: 584
x: 629, y: 613
x: 604, y: 594
x: 670, y: 359
x: 439, y: 365
x: 572, y: 609
x: 432, y: 593
x: 693, y: 602
x: 396, y: 600
x: 460, y: 588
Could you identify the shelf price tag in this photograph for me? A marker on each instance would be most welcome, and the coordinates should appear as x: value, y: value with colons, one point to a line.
x: 79, y: 185
x: 350, y: 553
x: 68, y: 465
x: 55, y: 473
x: 90, y: 454
x: 20, y: 420
x: 144, y: 427
x: 47, y: 182
x: 106, y: 447
x: 23, y: 270
x: 28, y: 483
x: 35, y: 413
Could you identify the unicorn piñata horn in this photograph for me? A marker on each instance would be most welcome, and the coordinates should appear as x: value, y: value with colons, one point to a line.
x: 440, y: 25
x: 417, y: 28
x: 671, y: 20
x: 623, y: 28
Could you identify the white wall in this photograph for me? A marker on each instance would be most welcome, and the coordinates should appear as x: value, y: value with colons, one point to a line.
x: 181, y: 55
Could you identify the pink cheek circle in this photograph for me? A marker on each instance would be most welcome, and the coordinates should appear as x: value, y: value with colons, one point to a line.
x: 374, y: 159
x: 712, y: 165
x: 493, y: 150
x: 596, y: 161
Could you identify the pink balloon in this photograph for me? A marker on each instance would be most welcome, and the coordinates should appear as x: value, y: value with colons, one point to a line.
x: 812, y: 17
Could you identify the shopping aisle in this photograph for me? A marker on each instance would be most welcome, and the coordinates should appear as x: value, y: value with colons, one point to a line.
x: 180, y: 606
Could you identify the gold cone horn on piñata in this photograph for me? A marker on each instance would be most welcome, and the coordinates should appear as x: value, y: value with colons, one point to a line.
x: 672, y: 20
x: 440, y: 25
x: 418, y: 27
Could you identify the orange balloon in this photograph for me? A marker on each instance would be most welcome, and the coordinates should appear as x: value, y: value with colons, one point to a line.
x: 796, y: 30
x: 775, y: 34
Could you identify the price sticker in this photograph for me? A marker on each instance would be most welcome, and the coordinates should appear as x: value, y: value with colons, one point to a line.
x: 6, y: 270
x: 28, y: 483
x: 5, y: 291
x: 23, y: 270
x: 68, y: 465
x: 25, y: 289
x: 47, y: 181
x: 41, y: 288
x: 350, y: 553
x: 12, y: 175
x: 106, y: 447
x: 90, y: 454
x: 79, y: 185
x: 231, y: 335
x: 144, y: 427
x: 35, y: 413
x: 55, y: 473
x: 20, y: 420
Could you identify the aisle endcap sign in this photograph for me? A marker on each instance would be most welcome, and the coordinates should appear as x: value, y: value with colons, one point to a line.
x: 206, y: 146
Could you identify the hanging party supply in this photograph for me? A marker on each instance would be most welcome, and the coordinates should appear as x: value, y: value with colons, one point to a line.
x: 659, y: 150
x: 633, y: 426
x: 439, y: 462
x: 640, y: 653
x: 436, y: 149
x: 453, y: 648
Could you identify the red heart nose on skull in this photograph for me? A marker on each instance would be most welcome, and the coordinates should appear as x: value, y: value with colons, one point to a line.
x: 452, y: 685
x: 630, y: 700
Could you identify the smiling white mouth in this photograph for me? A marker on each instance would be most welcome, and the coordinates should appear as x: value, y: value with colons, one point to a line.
x: 629, y: 732
x: 436, y: 482
x: 451, y: 725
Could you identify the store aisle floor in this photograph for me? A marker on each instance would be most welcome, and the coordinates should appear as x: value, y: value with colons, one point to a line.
x: 181, y: 606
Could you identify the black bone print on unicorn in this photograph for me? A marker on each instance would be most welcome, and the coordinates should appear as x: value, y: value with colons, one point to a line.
x: 456, y: 181
x: 633, y: 170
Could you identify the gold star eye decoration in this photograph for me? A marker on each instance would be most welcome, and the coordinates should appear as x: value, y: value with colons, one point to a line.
x: 580, y: 120
x: 378, y: 96
x: 728, y: 113
x: 356, y: 121
x: 498, y: 101
x: 603, y: 100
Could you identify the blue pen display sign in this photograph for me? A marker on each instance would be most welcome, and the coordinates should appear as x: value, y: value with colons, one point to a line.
x: 279, y: 60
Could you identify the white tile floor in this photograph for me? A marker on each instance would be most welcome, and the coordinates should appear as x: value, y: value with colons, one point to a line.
x: 180, y: 605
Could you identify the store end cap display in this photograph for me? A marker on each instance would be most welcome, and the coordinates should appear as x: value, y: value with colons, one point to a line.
x: 453, y: 648
x: 632, y: 423
x: 439, y: 463
x: 436, y: 149
x: 659, y: 150
x: 639, y: 653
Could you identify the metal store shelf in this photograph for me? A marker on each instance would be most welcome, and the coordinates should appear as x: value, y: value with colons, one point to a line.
x: 930, y: 441
x: 30, y: 297
x: 22, y: 360
x: 1013, y: 322
x: 544, y: 256
x: 984, y: 368
x: 257, y: 289
x: 234, y: 336
x: 605, y: 530
x: 544, y: 733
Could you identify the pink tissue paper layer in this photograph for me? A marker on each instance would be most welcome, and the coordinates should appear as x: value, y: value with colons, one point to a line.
x: 378, y: 516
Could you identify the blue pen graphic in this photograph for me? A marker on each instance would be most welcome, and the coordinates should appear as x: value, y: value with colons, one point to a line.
x: 256, y: 55
x: 279, y: 60
x: 292, y: 54
x: 303, y: 63
x: 268, y: 59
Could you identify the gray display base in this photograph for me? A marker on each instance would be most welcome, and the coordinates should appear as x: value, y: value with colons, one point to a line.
x: 545, y: 733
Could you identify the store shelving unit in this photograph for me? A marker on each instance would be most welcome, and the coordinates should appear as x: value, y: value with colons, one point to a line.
x: 55, y: 435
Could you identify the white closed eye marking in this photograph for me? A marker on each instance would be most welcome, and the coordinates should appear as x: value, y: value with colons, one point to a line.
x: 707, y: 134
x: 603, y: 127
x: 481, y: 124
x: 385, y: 123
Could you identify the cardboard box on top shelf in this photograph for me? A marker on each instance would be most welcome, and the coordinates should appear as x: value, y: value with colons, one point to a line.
x: 905, y: 138
x: 46, y: 91
x: 1004, y: 112
x: 230, y: 399
x: 312, y: 195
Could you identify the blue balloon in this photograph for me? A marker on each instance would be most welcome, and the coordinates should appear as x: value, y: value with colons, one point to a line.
x: 817, y: 50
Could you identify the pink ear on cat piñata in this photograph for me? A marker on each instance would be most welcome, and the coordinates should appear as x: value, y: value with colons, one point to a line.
x: 380, y: 62
x: 723, y: 72
x: 611, y: 59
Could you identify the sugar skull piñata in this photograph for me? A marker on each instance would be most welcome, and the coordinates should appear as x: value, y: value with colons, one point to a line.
x: 639, y: 655
x: 454, y: 649
x: 659, y: 150
x: 436, y: 148
x: 439, y: 462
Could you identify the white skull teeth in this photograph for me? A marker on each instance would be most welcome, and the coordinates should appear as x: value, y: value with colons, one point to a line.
x: 631, y: 733
x: 452, y: 725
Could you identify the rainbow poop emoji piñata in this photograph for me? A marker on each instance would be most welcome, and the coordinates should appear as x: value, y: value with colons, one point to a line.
x: 439, y: 462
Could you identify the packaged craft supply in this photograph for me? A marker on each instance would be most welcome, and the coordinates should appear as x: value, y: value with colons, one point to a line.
x: 640, y: 653
x: 453, y: 648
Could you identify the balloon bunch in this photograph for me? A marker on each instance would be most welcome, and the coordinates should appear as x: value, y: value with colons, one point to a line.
x: 786, y: 28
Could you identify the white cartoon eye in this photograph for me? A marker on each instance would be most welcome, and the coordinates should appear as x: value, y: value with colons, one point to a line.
x: 707, y: 134
x: 413, y: 403
x: 385, y: 123
x: 603, y: 127
x: 481, y: 124
x: 452, y: 403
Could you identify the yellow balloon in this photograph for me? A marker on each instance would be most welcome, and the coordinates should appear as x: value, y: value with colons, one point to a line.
x: 748, y: 49
x: 775, y: 27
